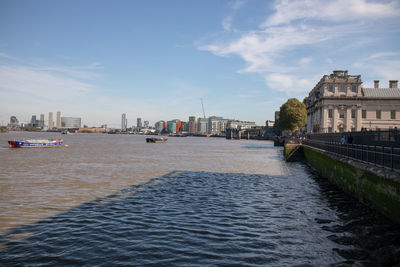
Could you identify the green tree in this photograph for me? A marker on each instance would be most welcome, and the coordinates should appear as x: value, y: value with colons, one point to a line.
x: 293, y: 115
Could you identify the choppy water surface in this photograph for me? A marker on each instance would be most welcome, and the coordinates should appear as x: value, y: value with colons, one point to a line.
x: 111, y: 199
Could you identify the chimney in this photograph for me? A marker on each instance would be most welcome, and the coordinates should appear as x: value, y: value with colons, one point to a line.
x: 376, y: 84
x: 393, y: 84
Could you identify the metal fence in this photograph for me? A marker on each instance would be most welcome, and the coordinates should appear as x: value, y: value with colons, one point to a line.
x: 389, y: 138
x: 388, y: 157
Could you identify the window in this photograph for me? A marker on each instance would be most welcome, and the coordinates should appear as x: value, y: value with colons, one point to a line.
x: 330, y: 113
x: 342, y: 89
x: 354, y: 89
x: 364, y: 114
x: 353, y: 129
x: 378, y: 114
x: 393, y: 114
x: 341, y: 114
x: 330, y: 88
x: 353, y: 113
x: 330, y: 129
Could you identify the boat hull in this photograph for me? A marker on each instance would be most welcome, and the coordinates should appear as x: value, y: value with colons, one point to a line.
x: 25, y: 144
x: 156, y: 140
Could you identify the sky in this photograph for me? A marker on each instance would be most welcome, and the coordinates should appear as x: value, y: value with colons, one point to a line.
x: 157, y: 59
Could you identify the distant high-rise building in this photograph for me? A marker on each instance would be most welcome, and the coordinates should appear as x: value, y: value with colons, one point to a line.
x: 146, y: 124
x: 41, y: 121
x: 34, y: 122
x: 14, y: 121
x: 124, y: 122
x: 33, y: 119
x: 70, y: 122
x: 139, y: 123
x: 51, y: 122
x: 58, y: 119
x: 192, y: 124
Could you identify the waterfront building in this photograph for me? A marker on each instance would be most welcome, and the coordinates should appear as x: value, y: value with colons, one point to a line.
x: 51, y: 122
x: 192, y: 124
x: 146, y: 124
x: 202, y: 126
x: 124, y: 123
x: 240, y: 125
x: 171, y: 126
x: 184, y: 126
x: 160, y: 126
x: 217, y: 125
x: 58, y: 119
x: 41, y: 121
x: 338, y: 103
x: 139, y: 123
x: 70, y: 122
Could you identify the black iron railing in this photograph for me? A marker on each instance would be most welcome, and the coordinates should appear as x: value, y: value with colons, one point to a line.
x: 386, y: 138
x: 388, y: 157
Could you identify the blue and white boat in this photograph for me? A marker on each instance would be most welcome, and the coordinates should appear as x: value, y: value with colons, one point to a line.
x: 36, y: 143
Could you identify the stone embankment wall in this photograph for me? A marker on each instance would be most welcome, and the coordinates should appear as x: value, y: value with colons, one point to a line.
x: 373, y: 186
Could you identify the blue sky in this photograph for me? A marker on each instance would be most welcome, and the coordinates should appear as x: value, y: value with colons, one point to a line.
x: 157, y: 59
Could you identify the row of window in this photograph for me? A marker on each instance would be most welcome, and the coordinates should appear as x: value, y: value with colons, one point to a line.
x: 363, y: 114
x: 342, y: 88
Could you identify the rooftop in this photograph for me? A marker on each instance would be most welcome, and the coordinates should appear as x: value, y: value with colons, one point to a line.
x: 381, y: 92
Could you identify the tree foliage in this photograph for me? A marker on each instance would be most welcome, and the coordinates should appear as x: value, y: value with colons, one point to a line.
x: 293, y: 115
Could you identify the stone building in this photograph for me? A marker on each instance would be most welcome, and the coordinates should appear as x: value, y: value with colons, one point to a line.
x: 338, y: 103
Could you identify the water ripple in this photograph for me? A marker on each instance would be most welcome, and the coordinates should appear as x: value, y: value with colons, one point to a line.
x: 205, y: 218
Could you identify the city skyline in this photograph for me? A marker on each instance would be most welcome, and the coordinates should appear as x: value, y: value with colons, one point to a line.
x: 156, y: 60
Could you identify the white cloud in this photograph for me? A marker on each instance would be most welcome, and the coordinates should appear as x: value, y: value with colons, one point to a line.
x: 227, y: 23
x: 337, y: 11
x: 334, y: 27
x: 288, y: 83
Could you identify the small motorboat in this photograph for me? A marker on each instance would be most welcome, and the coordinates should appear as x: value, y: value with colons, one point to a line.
x: 156, y: 139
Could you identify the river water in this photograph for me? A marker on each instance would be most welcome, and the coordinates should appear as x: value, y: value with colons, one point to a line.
x: 116, y: 200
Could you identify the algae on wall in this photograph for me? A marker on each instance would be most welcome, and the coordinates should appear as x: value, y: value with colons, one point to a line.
x: 374, y: 190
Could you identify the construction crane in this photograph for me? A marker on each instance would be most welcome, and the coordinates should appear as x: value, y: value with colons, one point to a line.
x: 204, y: 114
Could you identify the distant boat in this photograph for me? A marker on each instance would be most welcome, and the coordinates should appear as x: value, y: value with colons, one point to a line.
x: 156, y: 139
x: 36, y: 143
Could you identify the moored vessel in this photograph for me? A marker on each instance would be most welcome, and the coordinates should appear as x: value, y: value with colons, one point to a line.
x: 156, y: 139
x: 36, y: 143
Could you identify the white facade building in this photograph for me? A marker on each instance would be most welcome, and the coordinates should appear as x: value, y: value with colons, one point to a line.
x: 338, y: 103
x: 70, y: 122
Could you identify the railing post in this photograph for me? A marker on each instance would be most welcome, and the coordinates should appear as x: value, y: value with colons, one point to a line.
x: 375, y: 156
x: 391, y: 158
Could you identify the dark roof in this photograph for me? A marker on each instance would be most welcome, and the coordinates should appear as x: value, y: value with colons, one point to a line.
x: 381, y: 92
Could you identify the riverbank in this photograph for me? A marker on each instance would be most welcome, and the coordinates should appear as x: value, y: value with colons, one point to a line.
x: 374, y: 186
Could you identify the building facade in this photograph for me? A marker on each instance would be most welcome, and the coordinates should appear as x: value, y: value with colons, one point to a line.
x: 51, y: 122
x: 58, y: 119
x: 159, y: 126
x: 124, y: 122
x: 202, y: 125
x: 338, y: 103
x: 139, y: 123
x: 70, y: 122
x: 192, y: 124
x: 217, y: 125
